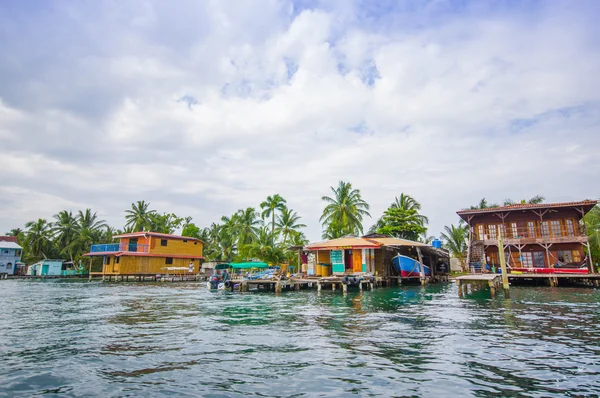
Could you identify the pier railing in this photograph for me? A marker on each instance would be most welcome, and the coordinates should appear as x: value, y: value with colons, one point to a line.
x: 119, y: 247
x: 545, y: 230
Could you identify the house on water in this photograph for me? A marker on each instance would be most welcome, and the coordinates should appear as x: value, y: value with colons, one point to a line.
x: 368, y: 254
x: 46, y: 267
x: 10, y: 254
x: 536, y: 236
x: 147, y: 253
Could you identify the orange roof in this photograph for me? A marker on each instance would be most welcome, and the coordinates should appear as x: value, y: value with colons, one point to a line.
x: 156, y: 234
x: 587, y: 205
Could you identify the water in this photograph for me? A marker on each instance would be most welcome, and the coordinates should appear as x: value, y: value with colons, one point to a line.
x: 65, y: 338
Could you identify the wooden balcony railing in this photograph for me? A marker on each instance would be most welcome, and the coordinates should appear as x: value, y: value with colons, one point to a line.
x: 535, y: 231
x: 119, y: 247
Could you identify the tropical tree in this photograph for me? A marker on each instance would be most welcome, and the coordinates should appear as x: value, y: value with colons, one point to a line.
x: 407, y: 202
x: 164, y: 223
x: 287, y: 223
x: 537, y: 199
x: 426, y: 239
x: 64, y: 231
x: 592, y: 225
x: 483, y: 204
x: 344, y: 212
x: 89, y: 220
x: 262, y: 248
x: 455, y: 240
x: 401, y: 223
x: 38, y: 238
x: 19, y: 233
x: 139, y: 216
x: 270, y: 206
x: 246, y: 225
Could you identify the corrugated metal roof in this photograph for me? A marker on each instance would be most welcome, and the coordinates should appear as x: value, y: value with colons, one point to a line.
x: 347, y: 241
x: 586, y: 204
x: 389, y: 241
x: 133, y: 254
x: 9, y: 245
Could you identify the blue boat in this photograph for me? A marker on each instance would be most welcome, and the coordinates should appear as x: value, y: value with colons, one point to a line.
x: 409, y: 267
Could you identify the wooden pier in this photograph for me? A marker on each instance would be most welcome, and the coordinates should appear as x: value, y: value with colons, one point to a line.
x: 470, y: 283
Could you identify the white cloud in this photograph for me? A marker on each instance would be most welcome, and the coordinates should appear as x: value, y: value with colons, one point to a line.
x: 473, y: 103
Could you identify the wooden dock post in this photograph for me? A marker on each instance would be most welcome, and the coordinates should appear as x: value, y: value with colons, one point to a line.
x: 278, y: 287
x: 333, y: 287
x: 318, y: 286
x: 505, y: 284
x: 344, y: 288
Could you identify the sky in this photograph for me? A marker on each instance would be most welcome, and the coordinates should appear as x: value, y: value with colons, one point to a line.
x: 205, y: 107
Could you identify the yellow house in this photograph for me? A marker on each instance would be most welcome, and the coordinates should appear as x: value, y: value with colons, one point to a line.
x: 148, y: 253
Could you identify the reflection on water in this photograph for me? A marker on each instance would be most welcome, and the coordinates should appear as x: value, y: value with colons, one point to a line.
x: 79, y: 339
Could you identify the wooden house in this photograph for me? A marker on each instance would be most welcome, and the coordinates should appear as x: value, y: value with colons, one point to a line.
x: 534, y: 235
x: 368, y: 254
x: 147, y: 253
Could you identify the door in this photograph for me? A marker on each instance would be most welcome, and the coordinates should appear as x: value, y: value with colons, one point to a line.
x: 133, y: 244
x: 45, y: 269
x: 357, y: 260
x: 348, y: 260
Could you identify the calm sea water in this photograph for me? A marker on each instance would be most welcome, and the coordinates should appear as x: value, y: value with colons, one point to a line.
x: 65, y: 338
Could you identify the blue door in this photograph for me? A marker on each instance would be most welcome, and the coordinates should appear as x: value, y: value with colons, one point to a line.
x: 45, y: 269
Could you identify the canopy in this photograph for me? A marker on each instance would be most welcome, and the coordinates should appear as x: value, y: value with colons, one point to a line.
x: 249, y: 265
x: 222, y: 266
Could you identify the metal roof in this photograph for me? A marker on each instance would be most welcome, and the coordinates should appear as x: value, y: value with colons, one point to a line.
x: 9, y: 245
x: 158, y: 235
x: 587, y: 205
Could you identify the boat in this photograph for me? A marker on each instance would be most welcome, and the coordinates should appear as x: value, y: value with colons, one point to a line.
x: 219, y: 280
x: 544, y: 270
x: 409, y: 267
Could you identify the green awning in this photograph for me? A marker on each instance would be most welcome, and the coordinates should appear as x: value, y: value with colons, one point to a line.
x: 249, y: 265
x: 223, y: 266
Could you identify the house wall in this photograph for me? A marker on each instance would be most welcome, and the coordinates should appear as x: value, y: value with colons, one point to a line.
x: 175, y: 247
x: 527, y: 258
x: 380, y: 262
x: 8, y: 260
x: 146, y: 265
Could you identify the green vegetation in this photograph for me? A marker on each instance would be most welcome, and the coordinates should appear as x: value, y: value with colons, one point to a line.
x: 402, y: 220
x: 455, y: 240
x: 344, y: 212
x: 592, y: 224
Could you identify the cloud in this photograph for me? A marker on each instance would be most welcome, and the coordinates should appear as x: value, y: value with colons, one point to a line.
x: 209, y: 107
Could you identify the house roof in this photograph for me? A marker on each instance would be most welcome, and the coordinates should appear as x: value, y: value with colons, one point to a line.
x: 157, y: 235
x: 344, y: 242
x: 586, y: 205
x: 7, y: 238
x: 9, y: 245
x: 390, y: 241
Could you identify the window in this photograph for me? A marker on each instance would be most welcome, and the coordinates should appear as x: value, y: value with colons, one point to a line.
x: 185, y: 241
x: 9, y: 266
x: 480, y: 231
x: 514, y: 230
x: 576, y: 256
x: 564, y: 256
x: 492, y: 232
x: 5, y: 251
x: 169, y: 260
x: 527, y: 259
x: 569, y: 227
x: 531, y: 229
x: 163, y: 242
x: 556, y: 230
x: 107, y: 260
x: 538, y: 260
x: 545, y: 229
x: 117, y: 260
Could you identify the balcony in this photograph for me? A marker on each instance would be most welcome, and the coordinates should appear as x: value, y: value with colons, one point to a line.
x: 119, y: 247
x: 532, y: 234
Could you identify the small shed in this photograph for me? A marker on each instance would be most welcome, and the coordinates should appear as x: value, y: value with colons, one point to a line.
x: 46, y: 267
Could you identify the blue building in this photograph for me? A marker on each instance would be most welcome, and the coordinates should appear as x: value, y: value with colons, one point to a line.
x: 10, y: 254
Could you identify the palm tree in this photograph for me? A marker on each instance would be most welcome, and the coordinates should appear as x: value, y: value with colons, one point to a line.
x: 483, y: 204
x: 38, y: 237
x: 456, y: 242
x: 407, y: 202
x: 87, y: 219
x: 537, y: 199
x: 344, y: 211
x: 270, y: 206
x: 15, y: 232
x: 246, y: 223
x: 65, y: 231
x: 139, y: 217
x: 287, y: 222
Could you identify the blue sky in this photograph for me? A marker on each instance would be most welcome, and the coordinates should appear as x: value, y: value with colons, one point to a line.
x: 208, y: 107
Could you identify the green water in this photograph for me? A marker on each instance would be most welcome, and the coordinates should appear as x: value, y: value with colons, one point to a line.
x: 67, y: 338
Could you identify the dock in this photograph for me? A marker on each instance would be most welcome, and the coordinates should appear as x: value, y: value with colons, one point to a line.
x: 470, y: 283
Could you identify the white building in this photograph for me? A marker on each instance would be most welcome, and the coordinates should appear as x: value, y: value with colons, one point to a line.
x: 10, y: 254
x: 46, y: 267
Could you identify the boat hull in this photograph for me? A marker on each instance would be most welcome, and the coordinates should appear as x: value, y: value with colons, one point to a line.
x: 409, y: 267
